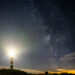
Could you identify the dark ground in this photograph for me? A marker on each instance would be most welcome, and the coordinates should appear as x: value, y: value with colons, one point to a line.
x: 18, y: 72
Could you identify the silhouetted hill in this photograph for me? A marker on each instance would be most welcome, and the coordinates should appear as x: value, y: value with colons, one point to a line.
x: 12, y: 72
x: 19, y: 72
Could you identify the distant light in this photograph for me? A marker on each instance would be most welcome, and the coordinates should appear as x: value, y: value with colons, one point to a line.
x: 11, y: 53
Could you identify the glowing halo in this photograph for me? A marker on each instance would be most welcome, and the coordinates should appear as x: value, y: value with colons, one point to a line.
x: 11, y: 53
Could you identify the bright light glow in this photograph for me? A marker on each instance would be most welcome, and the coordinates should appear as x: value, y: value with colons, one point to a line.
x: 11, y: 53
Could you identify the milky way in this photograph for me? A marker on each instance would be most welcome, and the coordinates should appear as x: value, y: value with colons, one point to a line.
x: 43, y: 30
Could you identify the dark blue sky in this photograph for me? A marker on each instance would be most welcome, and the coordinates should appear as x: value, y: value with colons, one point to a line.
x: 43, y: 30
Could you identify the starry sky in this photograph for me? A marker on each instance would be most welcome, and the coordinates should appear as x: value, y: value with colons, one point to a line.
x: 42, y: 30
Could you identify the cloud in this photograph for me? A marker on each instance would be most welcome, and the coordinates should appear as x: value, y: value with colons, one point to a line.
x: 60, y: 70
x: 68, y: 57
x: 66, y: 70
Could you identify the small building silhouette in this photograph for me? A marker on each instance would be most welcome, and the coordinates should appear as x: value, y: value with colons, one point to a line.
x: 46, y: 73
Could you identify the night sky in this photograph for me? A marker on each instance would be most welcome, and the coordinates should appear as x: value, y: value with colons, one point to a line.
x: 43, y: 31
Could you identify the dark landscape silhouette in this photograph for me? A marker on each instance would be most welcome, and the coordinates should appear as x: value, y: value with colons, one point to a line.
x: 19, y: 72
